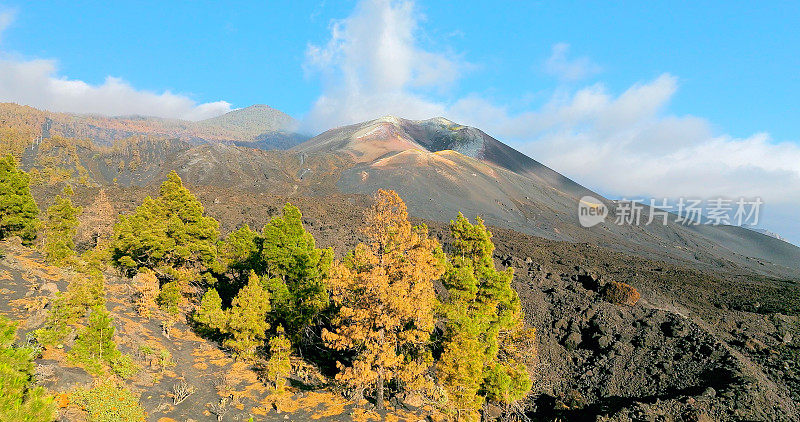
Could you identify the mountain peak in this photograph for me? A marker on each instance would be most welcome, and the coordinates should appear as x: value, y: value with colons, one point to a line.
x: 441, y: 120
x: 258, y: 107
x: 399, y: 121
x: 390, y: 119
x: 253, y: 121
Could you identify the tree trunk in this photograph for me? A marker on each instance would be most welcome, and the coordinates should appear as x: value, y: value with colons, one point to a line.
x: 379, y: 392
x: 358, y: 396
x: 379, y: 387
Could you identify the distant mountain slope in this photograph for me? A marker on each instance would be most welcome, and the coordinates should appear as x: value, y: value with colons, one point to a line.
x: 766, y: 232
x: 364, y: 142
x: 259, y: 126
x: 368, y: 140
x: 252, y: 121
x: 441, y: 168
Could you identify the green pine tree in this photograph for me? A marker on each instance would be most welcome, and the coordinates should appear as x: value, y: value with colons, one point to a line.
x: 20, y: 400
x: 169, y: 231
x: 140, y: 239
x: 295, y: 271
x: 83, y: 293
x: 461, y: 365
x: 241, y: 252
x: 169, y: 301
x: 246, y: 321
x: 57, y: 325
x: 291, y: 268
x: 244, y: 325
x: 94, y: 348
x: 210, y: 313
x: 18, y: 210
x: 60, y: 228
x: 460, y: 370
x: 279, y: 366
x: 482, y: 359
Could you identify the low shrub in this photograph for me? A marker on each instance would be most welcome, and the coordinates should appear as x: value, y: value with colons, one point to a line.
x: 621, y: 293
x: 181, y: 391
x: 124, y: 366
x: 109, y: 402
x: 145, y: 350
x: 165, y: 359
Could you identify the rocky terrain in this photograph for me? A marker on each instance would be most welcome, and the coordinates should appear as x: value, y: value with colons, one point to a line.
x: 683, y: 352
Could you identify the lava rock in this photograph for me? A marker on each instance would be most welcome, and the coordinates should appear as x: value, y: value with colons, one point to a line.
x: 572, y: 341
x: 604, y: 341
x: 676, y: 328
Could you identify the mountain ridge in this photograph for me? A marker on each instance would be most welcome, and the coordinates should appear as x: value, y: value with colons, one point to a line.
x: 259, y: 125
x: 439, y: 167
x: 515, y: 191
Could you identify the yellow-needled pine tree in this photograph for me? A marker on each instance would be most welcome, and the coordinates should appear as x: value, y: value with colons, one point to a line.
x: 386, y: 300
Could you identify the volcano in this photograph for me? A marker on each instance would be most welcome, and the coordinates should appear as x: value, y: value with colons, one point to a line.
x: 441, y: 168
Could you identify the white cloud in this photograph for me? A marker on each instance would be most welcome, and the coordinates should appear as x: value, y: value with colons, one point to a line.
x: 37, y: 83
x: 626, y: 144
x: 561, y: 66
x: 6, y: 18
x: 372, y: 64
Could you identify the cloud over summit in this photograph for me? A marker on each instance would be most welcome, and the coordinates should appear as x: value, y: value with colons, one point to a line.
x: 625, y: 144
x: 372, y: 65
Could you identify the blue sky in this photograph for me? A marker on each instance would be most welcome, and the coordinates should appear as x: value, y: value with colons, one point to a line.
x: 629, y: 98
x: 738, y: 62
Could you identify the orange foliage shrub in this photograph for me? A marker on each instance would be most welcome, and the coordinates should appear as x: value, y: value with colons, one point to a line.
x: 96, y: 223
x: 146, y: 289
x: 621, y: 293
x: 62, y: 400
